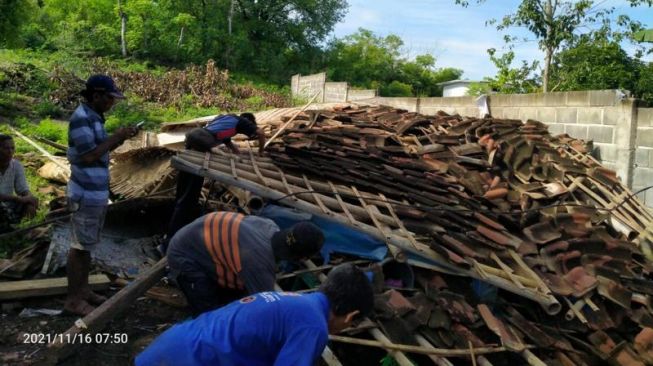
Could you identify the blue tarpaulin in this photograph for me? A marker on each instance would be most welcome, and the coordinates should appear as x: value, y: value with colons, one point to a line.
x: 337, y: 237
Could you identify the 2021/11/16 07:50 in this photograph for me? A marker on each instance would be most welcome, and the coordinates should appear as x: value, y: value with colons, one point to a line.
x: 98, y: 338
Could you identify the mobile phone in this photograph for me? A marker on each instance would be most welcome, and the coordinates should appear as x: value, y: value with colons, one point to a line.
x: 140, y: 124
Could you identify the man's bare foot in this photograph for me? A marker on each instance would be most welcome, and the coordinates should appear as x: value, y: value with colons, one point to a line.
x: 81, y: 308
x: 95, y: 299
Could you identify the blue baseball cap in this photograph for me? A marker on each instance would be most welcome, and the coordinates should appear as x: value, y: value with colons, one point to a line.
x: 103, y: 83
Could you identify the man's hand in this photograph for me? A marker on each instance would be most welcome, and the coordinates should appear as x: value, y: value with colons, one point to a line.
x: 27, y: 199
x: 125, y: 133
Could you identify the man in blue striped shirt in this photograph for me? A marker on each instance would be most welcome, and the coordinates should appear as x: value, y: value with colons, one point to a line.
x: 88, y: 187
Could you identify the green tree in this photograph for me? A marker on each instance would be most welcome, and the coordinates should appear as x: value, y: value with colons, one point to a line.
x: 423, y: 77
x: 644, y: 82
x: 14, y: 14
x: 599, y: 64
x: 370, y: 61
x: 512, y: 80
x: 556, y: 24
x: 363, y: 58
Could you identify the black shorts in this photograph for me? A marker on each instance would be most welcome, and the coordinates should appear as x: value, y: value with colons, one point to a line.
x: 203, y: 292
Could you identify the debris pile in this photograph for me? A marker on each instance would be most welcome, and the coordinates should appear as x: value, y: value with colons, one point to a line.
x: 142, y: 172
x: 499, y: 202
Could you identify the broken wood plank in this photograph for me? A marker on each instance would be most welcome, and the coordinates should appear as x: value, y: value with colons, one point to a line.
x: 12, y: 290
x: 169, y: 296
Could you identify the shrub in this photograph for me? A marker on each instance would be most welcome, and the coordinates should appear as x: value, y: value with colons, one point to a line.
x: 48, y: 109
x: 397, y: 89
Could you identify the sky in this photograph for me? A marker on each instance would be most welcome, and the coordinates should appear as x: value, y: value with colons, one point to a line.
x: 456, y: 36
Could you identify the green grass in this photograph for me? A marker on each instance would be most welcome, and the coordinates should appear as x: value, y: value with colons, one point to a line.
x: 26, y: 88
x: 34, y: 181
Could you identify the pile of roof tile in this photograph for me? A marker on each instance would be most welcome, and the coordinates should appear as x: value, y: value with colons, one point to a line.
x: 499, y: 201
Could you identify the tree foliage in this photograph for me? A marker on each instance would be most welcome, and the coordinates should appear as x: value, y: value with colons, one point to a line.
x: 595, y: 64
x: 14, y: 14
x: 558, y: 24
x: 271, y: 38
x: 509, y: 79
x: 370, y: 61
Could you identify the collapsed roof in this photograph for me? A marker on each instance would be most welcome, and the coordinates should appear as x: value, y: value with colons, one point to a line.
x: 496, y: 200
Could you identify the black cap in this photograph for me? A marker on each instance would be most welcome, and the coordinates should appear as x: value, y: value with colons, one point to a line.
x: 103, y: 83
x: 304, y: 239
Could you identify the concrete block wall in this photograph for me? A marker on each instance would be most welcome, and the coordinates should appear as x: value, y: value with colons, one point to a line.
x: 643, y: 171
x: 308, y: 86
x: 360, y: 94
x: 465, y: 106
x: 335, y: 92
x: 409, y: 104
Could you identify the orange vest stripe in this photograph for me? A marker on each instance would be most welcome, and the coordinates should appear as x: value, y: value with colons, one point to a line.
x: 235, y: 248
x: 210, y: 233
x: 225, y: 245
x: 218, y: 239
x: 221, y: 241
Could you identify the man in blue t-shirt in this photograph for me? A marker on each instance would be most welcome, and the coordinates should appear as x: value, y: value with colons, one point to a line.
x: 189, y: 186
x: 268, y: 328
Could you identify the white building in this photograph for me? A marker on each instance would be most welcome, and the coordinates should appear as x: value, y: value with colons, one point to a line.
x: 456, y: 88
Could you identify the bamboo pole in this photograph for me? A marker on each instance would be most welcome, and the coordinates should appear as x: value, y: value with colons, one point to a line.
x: 40, y: 149
x: 419, y: 349
x: 438, y: 360
x: 283, y: 128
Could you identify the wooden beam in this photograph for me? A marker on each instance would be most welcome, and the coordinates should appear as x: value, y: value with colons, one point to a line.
x: 12, y: 290
x: 98, y: 318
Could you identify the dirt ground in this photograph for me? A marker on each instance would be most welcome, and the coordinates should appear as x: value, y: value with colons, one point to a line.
x: 143, y: 321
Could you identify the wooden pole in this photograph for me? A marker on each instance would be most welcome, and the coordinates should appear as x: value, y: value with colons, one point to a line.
x: 94, y: 322
x: 283, y: 128
x: 51, y: 143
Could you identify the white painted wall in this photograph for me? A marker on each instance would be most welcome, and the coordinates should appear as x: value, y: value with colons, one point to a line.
x: 455, y: 90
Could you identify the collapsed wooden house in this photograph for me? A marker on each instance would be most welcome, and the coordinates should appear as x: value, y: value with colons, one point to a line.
x: 498, y: 201
x: 524, y: 249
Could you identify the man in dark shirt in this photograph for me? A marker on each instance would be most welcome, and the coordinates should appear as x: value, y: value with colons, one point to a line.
x: 189, y: 186
x: 223, y: 256
x: 268, y: 328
